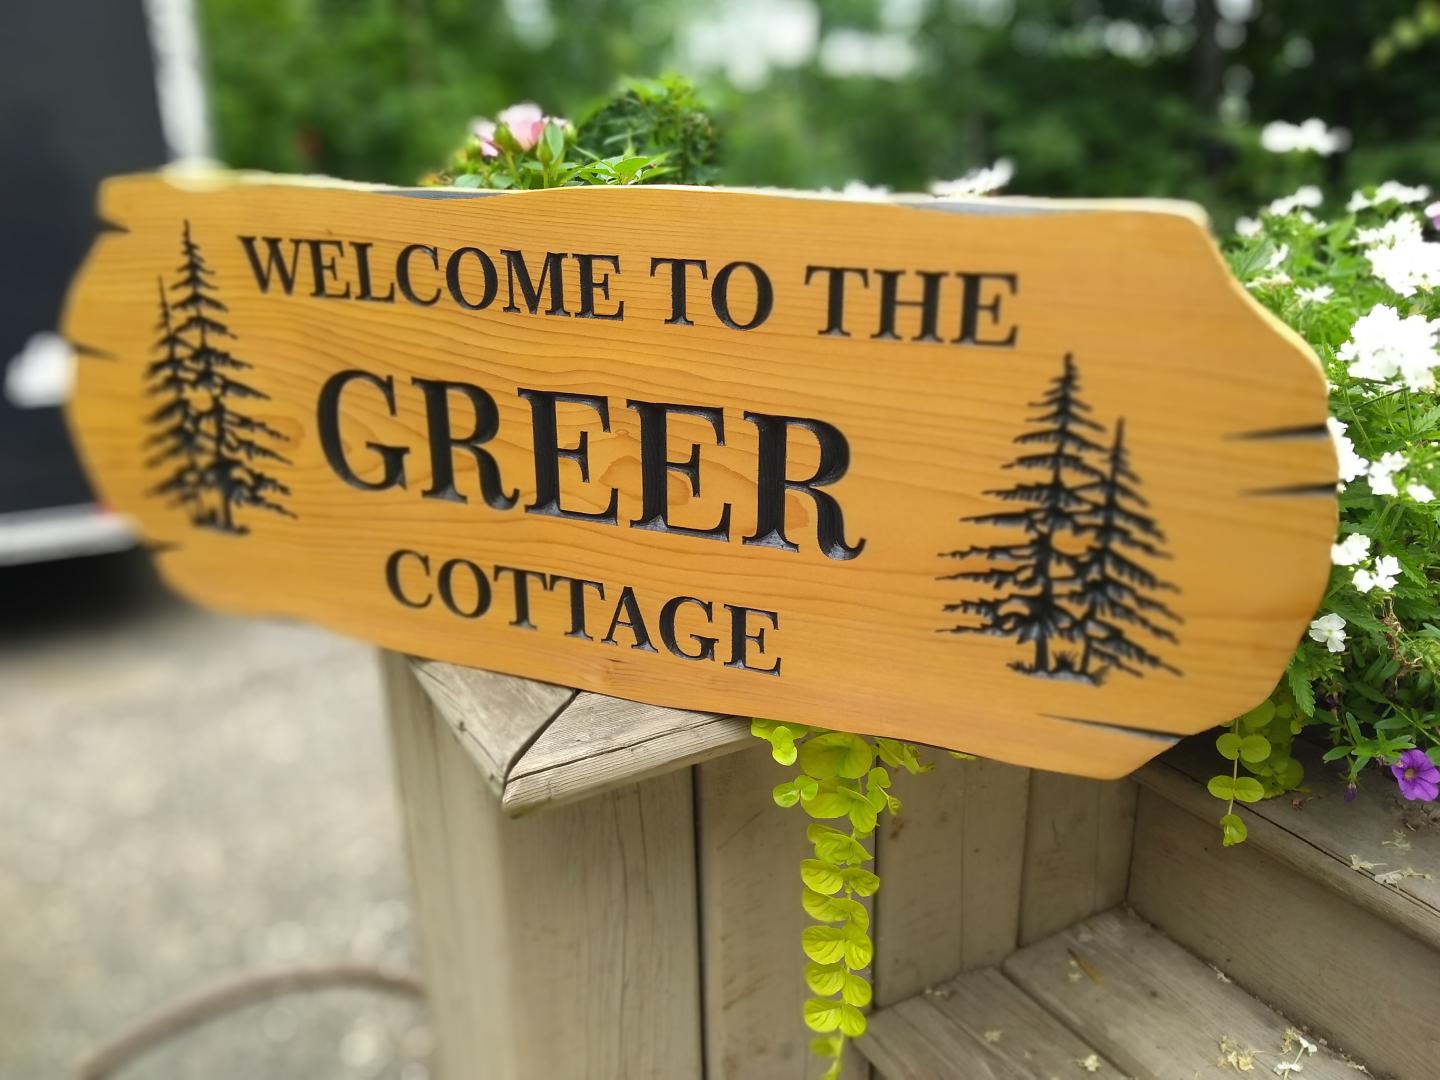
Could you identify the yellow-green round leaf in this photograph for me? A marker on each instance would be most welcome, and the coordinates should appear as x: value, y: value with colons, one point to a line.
x: 825, y: 979
x: 824, y: 908
x: 837, y: 753
x: 821, y: 876
x: 859, y: 880
x: 1254, y: 748
x: 1222, y: 787
x: 1288, y: 774
x: 1233, y: 830
x: 852, y: 1021
x: 785, y: 794
x: 856, y: 990
x: 822, y: 1015
x: 825, y: 1046
x: 1248, y: 789
x: 1258, y: 717
x: 857, y: 947
x: 823, y: 944
x: 1228, y: 745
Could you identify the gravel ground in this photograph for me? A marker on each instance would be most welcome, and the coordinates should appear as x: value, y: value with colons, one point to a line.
x: 184, y: 798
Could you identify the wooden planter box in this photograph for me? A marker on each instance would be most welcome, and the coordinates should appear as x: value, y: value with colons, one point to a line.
x: 605, y: 890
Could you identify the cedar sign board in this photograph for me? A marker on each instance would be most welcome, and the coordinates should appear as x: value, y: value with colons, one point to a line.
x: 1034, y: 480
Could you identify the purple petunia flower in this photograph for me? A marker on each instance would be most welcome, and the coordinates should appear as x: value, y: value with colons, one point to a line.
x: 1417, y: 775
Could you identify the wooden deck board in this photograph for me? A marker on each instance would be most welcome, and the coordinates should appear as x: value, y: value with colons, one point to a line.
x: 977, y: 1027
x: 1152, y: 1008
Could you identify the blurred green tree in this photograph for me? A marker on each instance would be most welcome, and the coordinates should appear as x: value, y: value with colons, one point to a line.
x: 1087, y: 97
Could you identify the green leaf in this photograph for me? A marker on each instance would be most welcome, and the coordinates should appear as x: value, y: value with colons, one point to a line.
x: 852, y: 1021
x: 856, y: 991
x: 832, y: 845
x: 1232, y: 830
x: 827, y: 1046
x: 825, y: 979
x: 825, y: 908
x: 878, y: 778
x: 837, y: 754
x: 1222, y: 787
x: 1288, y: 774
x: 824, y: 944
x: 860, y: 881
x: 785, y: 794
x: 856, y: 947
x: 1228, y: 745
x: 469, y: 180
x: 822, y: 1014
x: 823, y: 877
x: 1259, y: 717
x: 1248, y: 789
x: 1254, y: 748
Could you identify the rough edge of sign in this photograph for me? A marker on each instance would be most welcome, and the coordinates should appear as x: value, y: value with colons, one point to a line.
x: 207, y: 176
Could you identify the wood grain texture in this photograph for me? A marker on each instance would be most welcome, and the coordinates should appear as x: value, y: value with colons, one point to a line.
x: 1077, y: 850
x: 980, y: 1026
x: 1296, y: 943
x: 951, y: 865
x: 496, y: 717
x: 1149, y: 1006
x: 598, y: 742
x: 751, y: 919
x: 1137, y: 294
x: 563, y: 944
x: 1321, y: 835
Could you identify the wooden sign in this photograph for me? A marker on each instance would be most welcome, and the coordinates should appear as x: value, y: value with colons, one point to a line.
x: 1037, y: 481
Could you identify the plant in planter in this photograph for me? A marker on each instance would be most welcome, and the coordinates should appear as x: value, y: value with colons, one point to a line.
x: 1362, y: 290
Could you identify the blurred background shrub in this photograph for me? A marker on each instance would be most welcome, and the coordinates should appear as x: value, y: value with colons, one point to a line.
x: 1087, y: 97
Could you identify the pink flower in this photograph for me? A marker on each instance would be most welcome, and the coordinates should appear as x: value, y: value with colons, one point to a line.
x: 1417, y: 775
x: 526, y: 123
x: 484, y: 132
x: 1433, y: 213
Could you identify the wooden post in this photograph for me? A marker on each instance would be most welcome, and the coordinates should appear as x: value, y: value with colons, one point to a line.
x: 563, y: 944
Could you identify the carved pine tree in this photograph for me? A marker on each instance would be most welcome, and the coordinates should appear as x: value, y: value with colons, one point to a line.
x: 1118, y: 614
x: 177, y: 442
x: 222, y: 448
x: 1034, y: 577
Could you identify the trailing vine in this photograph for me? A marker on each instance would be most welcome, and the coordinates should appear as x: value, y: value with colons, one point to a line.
x: 838, y: 779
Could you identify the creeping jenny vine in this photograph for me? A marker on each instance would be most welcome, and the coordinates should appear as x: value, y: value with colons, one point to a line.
x: 838, y: 780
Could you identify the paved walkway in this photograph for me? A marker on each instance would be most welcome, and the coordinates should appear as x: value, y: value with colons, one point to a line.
x: 183, y: 798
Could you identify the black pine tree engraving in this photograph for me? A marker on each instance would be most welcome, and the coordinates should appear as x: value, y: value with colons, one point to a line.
x: 1113, y: 593
x: 1072, y: 578
x: 214, y: 451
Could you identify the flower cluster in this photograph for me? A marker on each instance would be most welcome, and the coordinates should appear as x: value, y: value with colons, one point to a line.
x: 1309, y: 137
x: 1364, y: 289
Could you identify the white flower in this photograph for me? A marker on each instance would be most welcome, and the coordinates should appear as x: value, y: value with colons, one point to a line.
x: 1382, y: 473
x: 1433, y: 213
x: 1407, y: 267
x: 1404, y: 229
x: 1352, y: 465
x: 1351, y: 551
x: 1383, y: 577
x: 1389, y: 191
x: 1311, y: 136
x: 1278, y: 257
x: 1249, y: 226
x: 981, y: 181
x: 1307, y: 196
x: 1317, y: 295
x: 1419, y: 492
x: 862, y: 192
x: 1382, y: 346
x: 1329, y: 630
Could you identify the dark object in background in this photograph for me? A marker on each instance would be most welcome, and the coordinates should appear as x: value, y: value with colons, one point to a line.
x: 77, y: 103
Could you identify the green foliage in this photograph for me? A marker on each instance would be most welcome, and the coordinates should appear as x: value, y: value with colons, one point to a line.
x: 654, y: 118
x: 1366, y: 674
x: 837, y: 780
